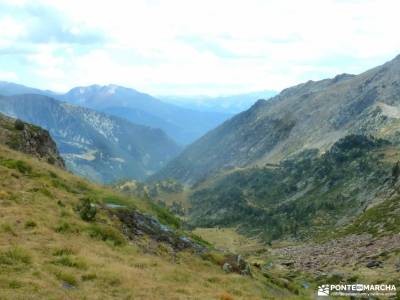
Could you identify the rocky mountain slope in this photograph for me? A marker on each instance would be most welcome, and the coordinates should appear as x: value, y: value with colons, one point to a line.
x: 307, y: 116
x: 29, y: 139
x: 62, y: 237
x: 94, y: 145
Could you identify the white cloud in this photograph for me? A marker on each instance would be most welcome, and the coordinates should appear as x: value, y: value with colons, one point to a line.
x: 211, y: 47
x: 8, y: 76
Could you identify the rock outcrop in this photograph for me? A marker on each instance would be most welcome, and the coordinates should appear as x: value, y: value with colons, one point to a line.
x: 137, y: 225
x: 29, y: 139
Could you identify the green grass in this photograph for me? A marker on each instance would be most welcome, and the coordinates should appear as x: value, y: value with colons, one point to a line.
x: 382, y: 219
x: 164, y: 216
x: 67, y: 277
x: 70, y: 261
x: 19, y: 165
x: 14, y: 256
x: 63, y: 251
x: 106, y: 233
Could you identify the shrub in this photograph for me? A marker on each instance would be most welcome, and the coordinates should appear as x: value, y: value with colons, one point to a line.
x: 30, y: 224
x: 19, y: 125
x: 86, y: 209
x: 51, y: 160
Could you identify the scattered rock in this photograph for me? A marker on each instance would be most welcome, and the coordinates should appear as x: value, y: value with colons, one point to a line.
x: 374, y: 264
x: 68, y: 286
x: 352, y: 250
x: 236, y: 264
x: 288, y: 263
x: 29, y: 139
x: 137, y: 224
x: 227, y: 268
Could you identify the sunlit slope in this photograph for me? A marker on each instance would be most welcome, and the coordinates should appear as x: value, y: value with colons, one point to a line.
x: 48, y: 252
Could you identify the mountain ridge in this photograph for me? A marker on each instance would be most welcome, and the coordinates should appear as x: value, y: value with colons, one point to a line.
x: 309, y: 115
x: 182, y: 124
x: 100, y: 147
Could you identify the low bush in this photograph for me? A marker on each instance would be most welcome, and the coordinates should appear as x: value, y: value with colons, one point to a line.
x: 30, y: 224
x: 19, y: 125
x: 86, y: 209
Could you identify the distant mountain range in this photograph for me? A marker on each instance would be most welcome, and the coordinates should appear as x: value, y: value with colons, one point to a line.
x: 232, y: 104
x: 182, y: 124
x: 94, y: 145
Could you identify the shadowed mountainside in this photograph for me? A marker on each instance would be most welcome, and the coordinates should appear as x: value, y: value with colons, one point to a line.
x: 94, y: 145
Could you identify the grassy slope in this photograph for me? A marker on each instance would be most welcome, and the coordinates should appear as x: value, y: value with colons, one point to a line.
x: 47, y: 251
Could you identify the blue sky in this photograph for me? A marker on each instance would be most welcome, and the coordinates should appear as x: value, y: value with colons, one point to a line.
x: 190, y: 47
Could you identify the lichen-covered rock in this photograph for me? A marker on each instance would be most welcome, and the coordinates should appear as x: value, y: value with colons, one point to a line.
x: 236, y: 264
x: 137, y: 225
x: 29, y: 139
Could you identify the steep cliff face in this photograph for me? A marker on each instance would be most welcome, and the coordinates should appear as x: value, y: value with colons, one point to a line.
x: 29, y: 139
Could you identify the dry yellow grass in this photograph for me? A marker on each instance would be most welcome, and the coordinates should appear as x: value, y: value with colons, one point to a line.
x: 228, y: 239
x: 47, y: 252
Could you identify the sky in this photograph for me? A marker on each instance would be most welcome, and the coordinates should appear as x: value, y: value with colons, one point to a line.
x: 186, y: 47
